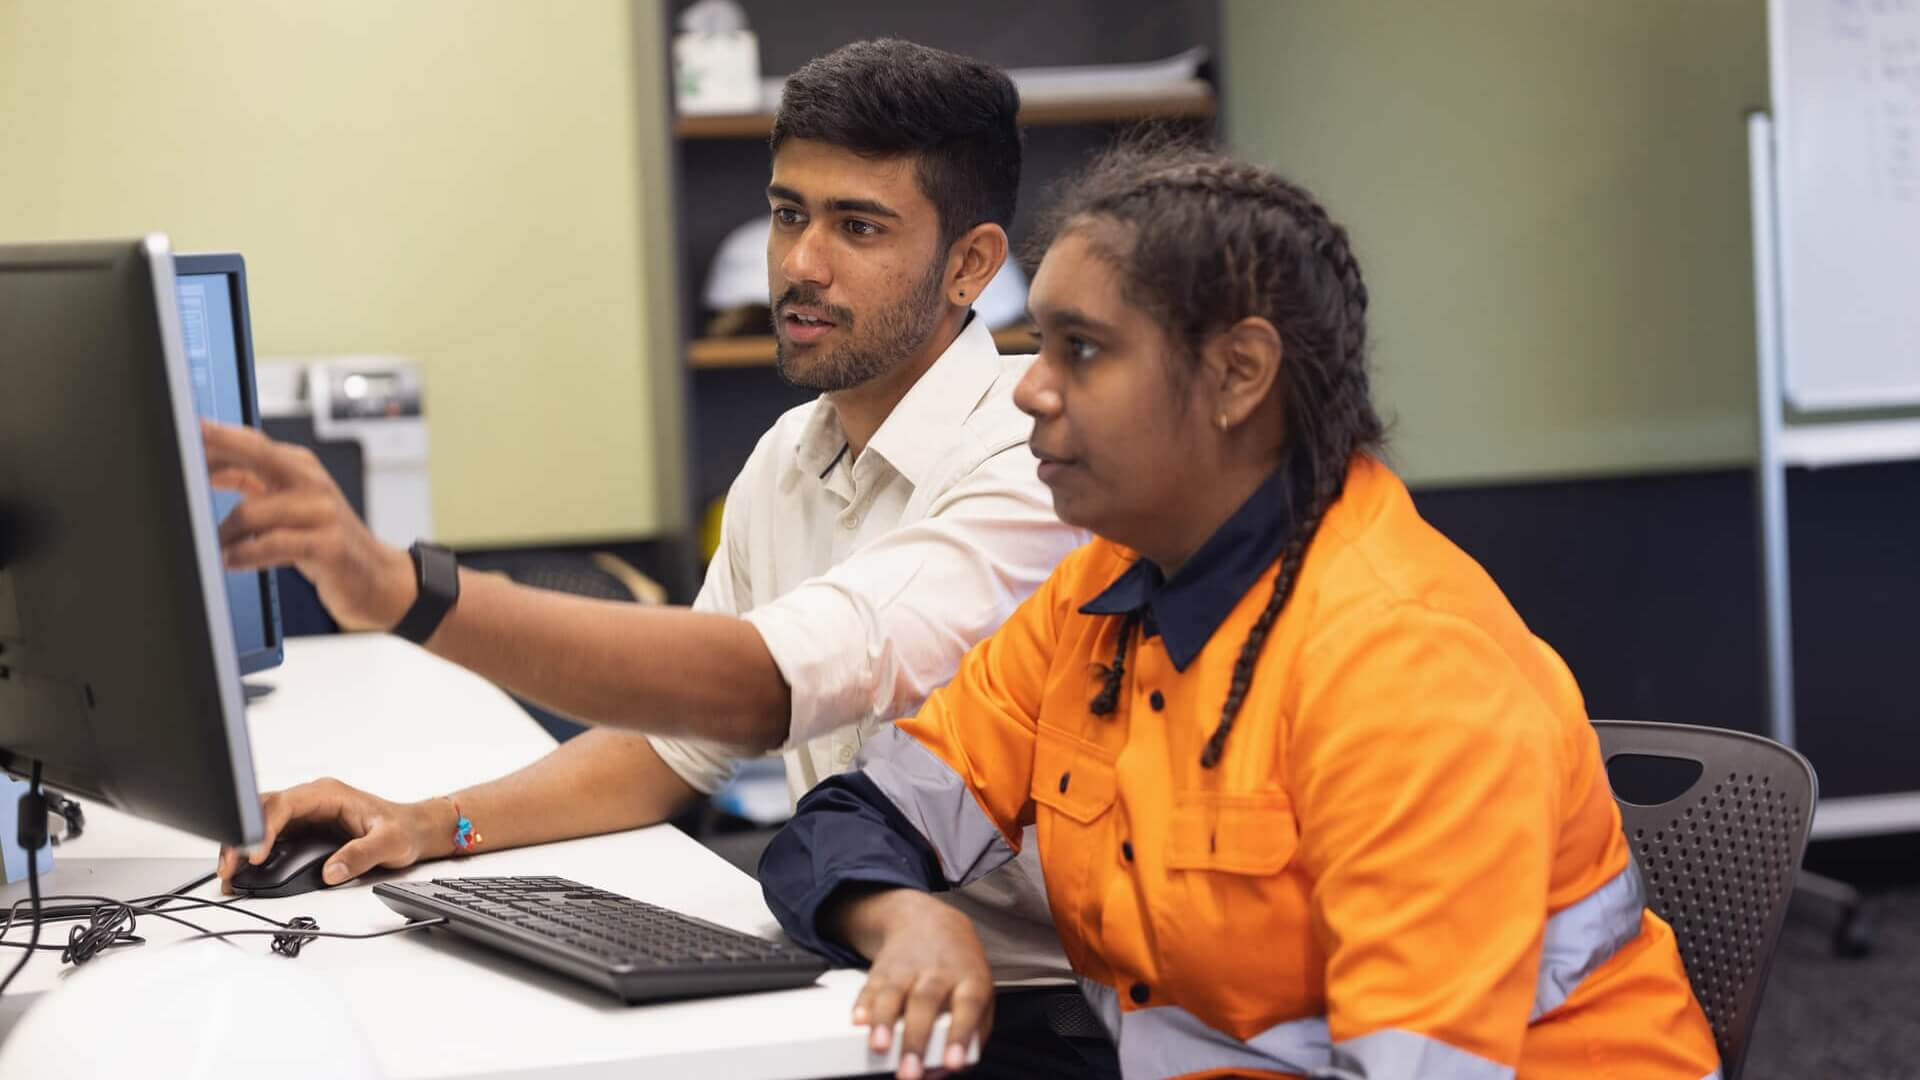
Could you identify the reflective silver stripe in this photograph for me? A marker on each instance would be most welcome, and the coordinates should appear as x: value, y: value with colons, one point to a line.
x: 938, y: 803
x: 1396, y: 1054
x: 1170, y: 1041
x: 1584, y: 935
x: 1105, y: 1002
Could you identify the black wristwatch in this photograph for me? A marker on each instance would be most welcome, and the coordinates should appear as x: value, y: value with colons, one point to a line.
x: 438, y: 577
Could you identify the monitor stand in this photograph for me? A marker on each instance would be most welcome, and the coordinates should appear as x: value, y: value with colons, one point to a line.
x: 256, y: 690
x: 115, y: 879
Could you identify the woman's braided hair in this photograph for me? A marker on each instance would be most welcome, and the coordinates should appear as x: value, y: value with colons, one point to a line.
x: 1202, y: 242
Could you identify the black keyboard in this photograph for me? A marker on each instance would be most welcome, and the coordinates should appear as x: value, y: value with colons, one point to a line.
x: 636, y: 950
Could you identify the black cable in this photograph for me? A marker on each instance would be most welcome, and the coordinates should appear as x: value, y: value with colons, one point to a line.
x: 288, y: 945
x: 30, y: 805
x: 101, y: 933
x: 309, y: 935
x: 105, y: 930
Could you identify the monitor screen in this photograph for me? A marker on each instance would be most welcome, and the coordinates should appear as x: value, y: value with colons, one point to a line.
x: 219, y: 353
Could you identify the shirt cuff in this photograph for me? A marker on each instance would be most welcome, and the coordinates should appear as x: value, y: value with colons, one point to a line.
x: 705, y: 766
x: 830, y: 678
x: 845, y: 834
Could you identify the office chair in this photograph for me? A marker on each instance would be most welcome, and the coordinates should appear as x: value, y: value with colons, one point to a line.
x: 1718, y: 821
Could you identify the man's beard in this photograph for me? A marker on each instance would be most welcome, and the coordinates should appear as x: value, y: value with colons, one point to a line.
x: 898, y: 332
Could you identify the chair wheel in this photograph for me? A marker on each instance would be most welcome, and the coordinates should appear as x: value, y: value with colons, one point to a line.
x: 1853, y: 936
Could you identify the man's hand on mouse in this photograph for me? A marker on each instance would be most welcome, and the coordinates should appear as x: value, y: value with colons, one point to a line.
x: 385, y: 834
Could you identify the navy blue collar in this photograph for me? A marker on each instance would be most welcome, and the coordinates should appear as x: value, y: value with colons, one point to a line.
x: 1188, y: 609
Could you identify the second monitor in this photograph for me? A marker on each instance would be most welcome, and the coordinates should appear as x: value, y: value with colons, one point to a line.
x: 216, y: 329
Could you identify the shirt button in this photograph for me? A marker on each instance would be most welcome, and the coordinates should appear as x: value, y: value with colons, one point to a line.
x: 1126, y: 849
x: 1157, y: 700
x: 846, y: 754
x: 850, y: 521
x: 1063, y: 782
x: 1139, y: 993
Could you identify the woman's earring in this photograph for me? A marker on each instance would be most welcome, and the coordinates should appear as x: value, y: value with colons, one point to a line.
x: 1221, y: 420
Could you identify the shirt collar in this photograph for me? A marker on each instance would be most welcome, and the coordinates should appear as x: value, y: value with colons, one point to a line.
x: 920, y: 431
x: 918, y: 435
x: 1188, y: 609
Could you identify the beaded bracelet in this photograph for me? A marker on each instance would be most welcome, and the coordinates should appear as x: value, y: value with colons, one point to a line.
x: 464, y: 837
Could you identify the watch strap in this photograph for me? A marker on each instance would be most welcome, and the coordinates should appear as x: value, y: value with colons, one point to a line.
x: 437, y: 573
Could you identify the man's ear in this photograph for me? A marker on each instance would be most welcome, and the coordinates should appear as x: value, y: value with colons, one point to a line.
x: 973, y: 260
x: 1241, y: 364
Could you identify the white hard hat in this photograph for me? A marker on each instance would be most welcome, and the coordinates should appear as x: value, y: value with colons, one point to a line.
x: 739, y: 278
x: 739, y: 274
x: 203, y: 1011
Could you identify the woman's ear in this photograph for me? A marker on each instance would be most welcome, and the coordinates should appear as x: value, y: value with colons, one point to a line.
x: 973, y: 260
x: 1241, y: 363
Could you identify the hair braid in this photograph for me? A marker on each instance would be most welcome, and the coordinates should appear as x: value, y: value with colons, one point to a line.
x: 1204, y: 241
x: 1291, y: 558
x: 1109, y: 695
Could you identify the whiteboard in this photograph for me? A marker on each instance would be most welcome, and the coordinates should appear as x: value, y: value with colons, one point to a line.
x: 1846, y: 106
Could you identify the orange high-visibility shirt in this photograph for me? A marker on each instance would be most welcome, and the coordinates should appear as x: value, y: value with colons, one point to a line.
x: 1406, y: 863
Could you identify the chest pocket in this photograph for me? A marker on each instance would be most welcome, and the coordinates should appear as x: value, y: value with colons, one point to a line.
x: 1234, y: 834
x: 1072, y: 776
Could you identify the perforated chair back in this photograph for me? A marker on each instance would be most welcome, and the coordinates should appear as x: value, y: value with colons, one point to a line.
x: 1718, y: 821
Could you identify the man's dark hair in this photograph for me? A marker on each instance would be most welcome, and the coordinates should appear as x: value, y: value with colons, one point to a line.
x: 958, y: 118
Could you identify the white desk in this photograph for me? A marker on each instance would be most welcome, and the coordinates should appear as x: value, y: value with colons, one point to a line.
x: 381, y: 714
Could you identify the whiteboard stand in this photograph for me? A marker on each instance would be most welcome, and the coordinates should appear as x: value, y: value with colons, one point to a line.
x: 1784, y: 445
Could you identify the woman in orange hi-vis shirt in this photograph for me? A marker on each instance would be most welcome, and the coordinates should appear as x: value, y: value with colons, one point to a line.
x: 1311, y: 800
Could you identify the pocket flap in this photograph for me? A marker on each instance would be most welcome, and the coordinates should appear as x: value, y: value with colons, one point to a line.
x: 1071, y: 775
x: 1237, y: 834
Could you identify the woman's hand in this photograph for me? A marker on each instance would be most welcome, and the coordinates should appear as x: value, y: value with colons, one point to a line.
x: 926, y: 960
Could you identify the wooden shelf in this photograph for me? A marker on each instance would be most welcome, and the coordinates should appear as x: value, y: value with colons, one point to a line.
x: 738, y: 352
x: 730, y: 352
x: 1193, y: 99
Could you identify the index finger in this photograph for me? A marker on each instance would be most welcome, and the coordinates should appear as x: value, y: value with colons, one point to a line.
x: 230, y: 447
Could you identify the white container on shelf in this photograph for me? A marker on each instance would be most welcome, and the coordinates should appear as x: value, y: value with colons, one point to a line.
x: 716, y: 61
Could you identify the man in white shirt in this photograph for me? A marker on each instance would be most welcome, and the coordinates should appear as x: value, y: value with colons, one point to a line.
x: 873, y: 536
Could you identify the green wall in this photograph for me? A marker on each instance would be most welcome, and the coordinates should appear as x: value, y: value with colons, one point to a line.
x: 478, y: 186
x: 1549, y: 199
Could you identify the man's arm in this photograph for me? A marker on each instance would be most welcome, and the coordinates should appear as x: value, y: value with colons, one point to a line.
x: 599, y: 782
x: 660, y: 670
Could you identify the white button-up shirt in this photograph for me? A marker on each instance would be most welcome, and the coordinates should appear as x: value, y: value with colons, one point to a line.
x: 870, y: 577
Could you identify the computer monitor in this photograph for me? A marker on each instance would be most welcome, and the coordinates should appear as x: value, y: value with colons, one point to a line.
x: 118, y: 668
x: 217, y: 333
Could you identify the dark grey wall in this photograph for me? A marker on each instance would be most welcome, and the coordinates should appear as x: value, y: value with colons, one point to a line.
x: 1649, y: 587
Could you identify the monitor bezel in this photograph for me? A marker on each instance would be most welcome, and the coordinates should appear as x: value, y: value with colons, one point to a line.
x: 233, y: 267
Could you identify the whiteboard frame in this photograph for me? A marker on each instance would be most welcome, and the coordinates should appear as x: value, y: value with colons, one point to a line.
x: 1783, y: 445
x: 1770, y: 474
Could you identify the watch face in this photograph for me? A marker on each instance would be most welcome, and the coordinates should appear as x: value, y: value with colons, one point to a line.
x: 439, y: 571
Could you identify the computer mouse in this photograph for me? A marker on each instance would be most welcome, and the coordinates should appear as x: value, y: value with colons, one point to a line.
x: 292, y: 866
